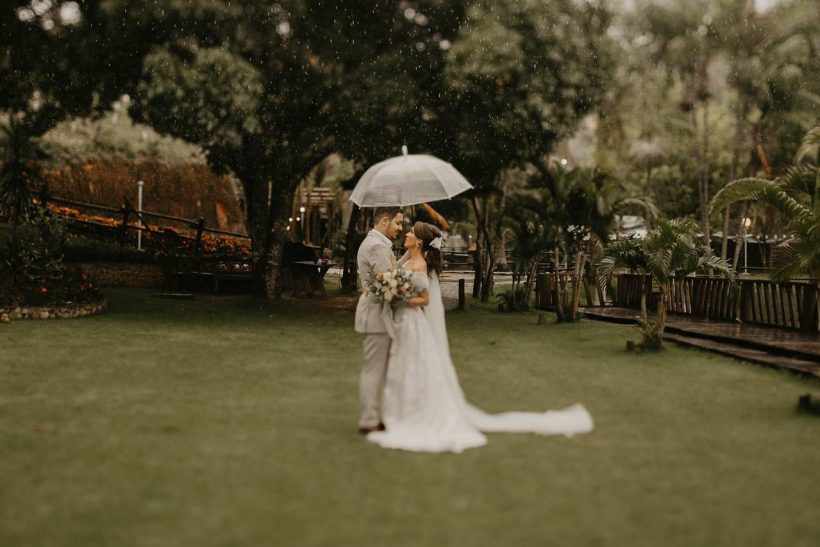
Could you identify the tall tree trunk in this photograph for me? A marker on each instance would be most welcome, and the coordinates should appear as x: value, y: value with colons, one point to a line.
x: 741, y: 231
x: 737, y: 147
x: 580, y: 259
x: 489, y: 267
x: 559, y: 295
x: 280, y: 203
x: 531, y: 279
x: 704, y: 177
x: 487, y: 282
x: 761, y: 152
x: 501, y: 254
x: 724, y: 240
x: 350, y: 267
x: 255, y: 187
x: 647, y: 286
x: 478, y: 264
x: 661, y: 322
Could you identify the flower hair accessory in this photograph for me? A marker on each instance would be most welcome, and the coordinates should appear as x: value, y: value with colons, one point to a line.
x: 437, y: 243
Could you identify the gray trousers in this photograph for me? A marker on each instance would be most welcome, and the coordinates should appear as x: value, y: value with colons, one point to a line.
x: 375, y: 352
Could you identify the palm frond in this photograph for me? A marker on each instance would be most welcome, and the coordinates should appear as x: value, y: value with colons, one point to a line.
x: 717, y: 265
x: 648, y: 206
x: 758, y: 190
x: 605, y: 269
x: 800, y: 179
x: 795, y: 257
x: 809, y: 146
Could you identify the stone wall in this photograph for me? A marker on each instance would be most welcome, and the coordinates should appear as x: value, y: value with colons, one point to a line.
x: 123, y: 274
x: 52, y: 312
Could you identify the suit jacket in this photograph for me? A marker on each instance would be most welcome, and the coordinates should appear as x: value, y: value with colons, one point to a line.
x: 375, y: 255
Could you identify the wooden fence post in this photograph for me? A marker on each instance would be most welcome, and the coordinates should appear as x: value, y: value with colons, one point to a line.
x: 809, y: 319
x: 588, y: 291
x: 124, y: 226
x: 200, y: 228
x: 543, y: 291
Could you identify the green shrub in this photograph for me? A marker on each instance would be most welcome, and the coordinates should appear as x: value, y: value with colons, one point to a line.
x: 514, y: 299
x: 33, y: 271
x: 85, y: 249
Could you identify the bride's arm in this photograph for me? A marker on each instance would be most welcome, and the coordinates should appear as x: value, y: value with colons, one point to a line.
x: 421, y: 300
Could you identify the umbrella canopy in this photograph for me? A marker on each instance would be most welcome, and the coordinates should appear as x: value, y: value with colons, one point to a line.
x: 407, y: 180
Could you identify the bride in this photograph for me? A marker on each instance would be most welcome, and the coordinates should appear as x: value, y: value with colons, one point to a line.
x: 423, y: 406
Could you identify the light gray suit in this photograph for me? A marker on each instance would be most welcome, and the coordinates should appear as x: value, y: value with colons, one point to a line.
x: 375, y: 255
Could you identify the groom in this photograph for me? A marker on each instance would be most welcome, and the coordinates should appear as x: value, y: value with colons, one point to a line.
x: 375, y: 256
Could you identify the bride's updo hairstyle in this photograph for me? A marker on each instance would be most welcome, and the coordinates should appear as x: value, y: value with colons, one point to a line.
x: 426, y: 233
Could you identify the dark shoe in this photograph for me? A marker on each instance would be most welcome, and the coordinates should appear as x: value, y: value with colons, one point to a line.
x: 366, y: 430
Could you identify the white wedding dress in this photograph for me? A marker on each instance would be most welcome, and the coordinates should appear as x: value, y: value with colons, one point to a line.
x: 423, y: 406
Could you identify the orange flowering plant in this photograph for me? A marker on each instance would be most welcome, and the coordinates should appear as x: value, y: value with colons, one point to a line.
x: 184, y: 240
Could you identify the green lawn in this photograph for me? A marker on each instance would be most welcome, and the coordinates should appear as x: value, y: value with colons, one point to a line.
x: 230, y: 422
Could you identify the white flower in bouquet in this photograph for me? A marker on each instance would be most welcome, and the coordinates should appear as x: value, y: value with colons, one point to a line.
x: 393, y: 286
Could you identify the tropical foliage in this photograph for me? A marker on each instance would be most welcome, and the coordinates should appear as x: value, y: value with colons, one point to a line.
x: 33, y: 270
x: 673, y: 250
x: 795, y: 196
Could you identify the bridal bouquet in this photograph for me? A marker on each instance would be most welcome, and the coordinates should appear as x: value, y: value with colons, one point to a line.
x: 393, y: 286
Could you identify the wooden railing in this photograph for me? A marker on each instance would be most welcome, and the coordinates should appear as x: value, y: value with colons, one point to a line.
x: 785, y: 304
x: 126, y: 213
x: 546, y: 294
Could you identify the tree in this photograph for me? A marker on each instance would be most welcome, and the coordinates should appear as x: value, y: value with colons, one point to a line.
x: 579, y: 205
x: 795, y: 195
x: 521, y: 75
x: 670, y: 251
x: 714, y: 90
x: 270, y: 96
x: 17, y: 171
x: 627, y: 253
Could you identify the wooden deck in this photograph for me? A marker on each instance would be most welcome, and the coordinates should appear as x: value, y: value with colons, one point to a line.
x: 777, y: 347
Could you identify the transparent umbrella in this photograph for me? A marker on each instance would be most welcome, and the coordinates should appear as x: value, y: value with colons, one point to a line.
x: 407, y: 180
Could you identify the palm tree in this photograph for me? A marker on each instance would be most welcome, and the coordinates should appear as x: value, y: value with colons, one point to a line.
x: 626, y: 253
x: 673, y: 250
x: 17, y: 171
x: 580, y: 205
x: 796, y: 196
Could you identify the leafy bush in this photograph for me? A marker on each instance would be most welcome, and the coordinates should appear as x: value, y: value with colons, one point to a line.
x: 33, y: 271
x: 651, y: 336
x: 514, y: 299
x: 84, y: 249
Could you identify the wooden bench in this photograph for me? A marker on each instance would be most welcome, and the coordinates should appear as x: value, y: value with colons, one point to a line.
x: 215, y: 273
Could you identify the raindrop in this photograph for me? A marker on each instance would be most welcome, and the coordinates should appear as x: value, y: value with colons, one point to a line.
x: 40, y: 7
x: 25, y: 14
x: 70, y: 13
x: 283, y: 28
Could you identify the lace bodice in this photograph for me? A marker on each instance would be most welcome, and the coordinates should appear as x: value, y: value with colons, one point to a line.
x: 421, y: 281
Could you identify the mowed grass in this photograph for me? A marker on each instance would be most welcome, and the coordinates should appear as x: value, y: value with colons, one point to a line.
x: 233, y: 422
